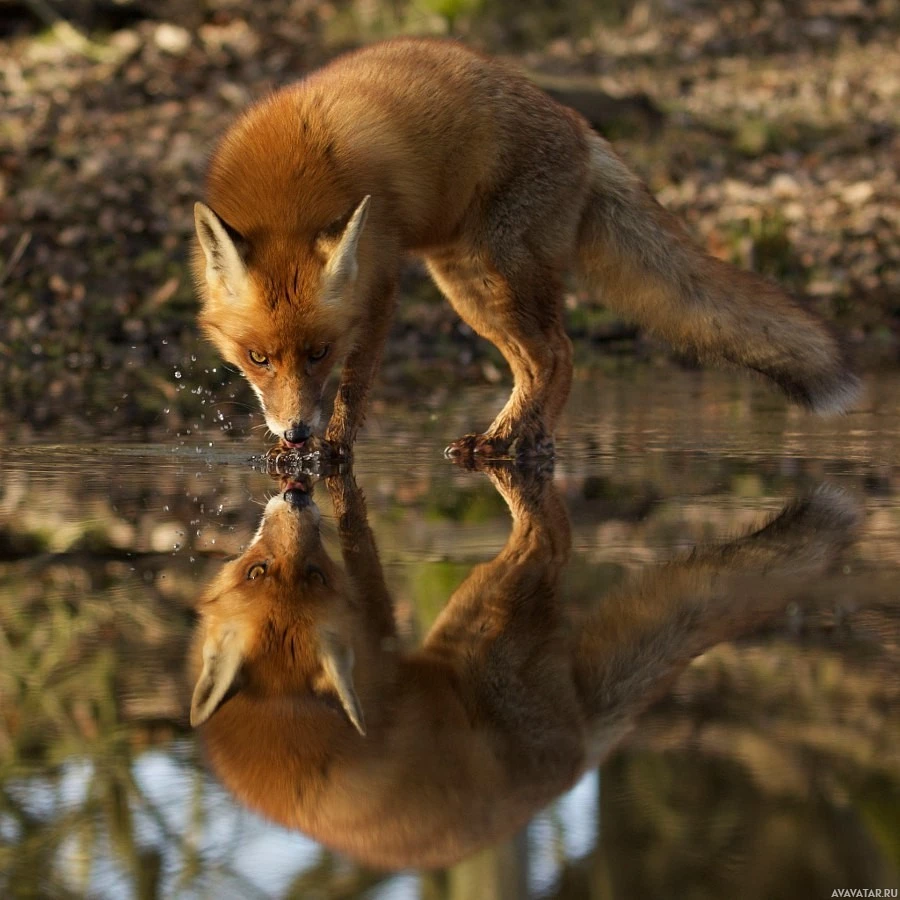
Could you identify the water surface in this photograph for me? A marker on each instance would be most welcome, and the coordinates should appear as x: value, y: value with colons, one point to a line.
x: 769, y: 767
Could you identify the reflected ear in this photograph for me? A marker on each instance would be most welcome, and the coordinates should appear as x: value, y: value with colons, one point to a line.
x: 337, y: 659
x: 342, y: 264
x: 222, y: 659
x: 223, y: 248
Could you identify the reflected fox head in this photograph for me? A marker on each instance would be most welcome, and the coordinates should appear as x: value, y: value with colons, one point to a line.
x: 281, y: 309
x: 276, y: 620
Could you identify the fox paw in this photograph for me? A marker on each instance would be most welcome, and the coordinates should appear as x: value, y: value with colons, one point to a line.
x: 524, y: 448
x: 316, y: 455
x: 330, y: 449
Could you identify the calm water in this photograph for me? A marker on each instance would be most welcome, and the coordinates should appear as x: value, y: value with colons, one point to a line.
x: 768, y: 767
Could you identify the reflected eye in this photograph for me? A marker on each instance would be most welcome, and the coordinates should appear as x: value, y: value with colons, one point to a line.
x: 259, y: 359
x: 319, y: 352
x: 315, y: 574
x: 257, y: 570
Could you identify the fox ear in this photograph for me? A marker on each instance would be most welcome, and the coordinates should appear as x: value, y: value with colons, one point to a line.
x: 224, y: 249
x: 222, y: 659
x: 337, y: 659
x: 342, y: 264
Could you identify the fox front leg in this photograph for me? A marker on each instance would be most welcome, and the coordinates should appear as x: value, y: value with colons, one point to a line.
x: 523, y: 430
x: 520, y: 312
x: 358, y: 374
x: 348, y: 416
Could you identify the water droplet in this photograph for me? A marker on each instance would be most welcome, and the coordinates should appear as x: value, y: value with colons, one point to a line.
x: 177, y: 374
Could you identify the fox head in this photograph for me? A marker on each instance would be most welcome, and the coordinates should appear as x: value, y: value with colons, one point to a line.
x: 276, y: 621
x: 282, y: 309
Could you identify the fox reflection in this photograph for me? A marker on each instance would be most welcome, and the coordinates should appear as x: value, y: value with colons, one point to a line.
x: 313, y: 717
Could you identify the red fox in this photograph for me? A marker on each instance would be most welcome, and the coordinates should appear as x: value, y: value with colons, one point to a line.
x: 317, y: 195
x: 312, y: 715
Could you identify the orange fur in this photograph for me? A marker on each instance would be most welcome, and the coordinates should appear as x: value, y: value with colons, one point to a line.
x: 502, y: 192
x: 512, y: 695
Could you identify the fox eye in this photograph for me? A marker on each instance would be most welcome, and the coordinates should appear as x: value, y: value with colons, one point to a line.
x: 319, y: 352
x: 257, y: 570
x: 259, y: 359
x: 315, y: 574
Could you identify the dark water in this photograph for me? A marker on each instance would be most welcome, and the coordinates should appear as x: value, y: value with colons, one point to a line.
x: 767, y: 767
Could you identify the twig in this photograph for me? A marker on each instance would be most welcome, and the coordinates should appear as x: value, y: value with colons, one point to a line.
x: 15, y: 256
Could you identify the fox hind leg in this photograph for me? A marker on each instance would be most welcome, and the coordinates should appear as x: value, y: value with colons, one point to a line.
x: 522, y: 316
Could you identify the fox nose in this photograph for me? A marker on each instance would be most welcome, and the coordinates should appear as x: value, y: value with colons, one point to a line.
x: 297, y: 496
x: 297, y: 433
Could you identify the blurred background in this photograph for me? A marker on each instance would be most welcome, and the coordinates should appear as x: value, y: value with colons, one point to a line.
x: 771, y: 126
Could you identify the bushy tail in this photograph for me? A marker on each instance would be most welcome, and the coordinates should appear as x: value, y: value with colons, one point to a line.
x: 644, y: 632
x: 648, y: 270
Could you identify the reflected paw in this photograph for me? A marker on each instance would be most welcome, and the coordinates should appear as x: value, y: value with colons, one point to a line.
x: 535, y: 448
